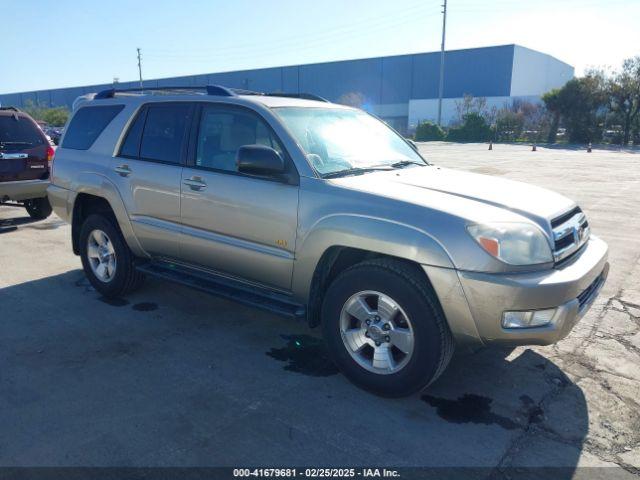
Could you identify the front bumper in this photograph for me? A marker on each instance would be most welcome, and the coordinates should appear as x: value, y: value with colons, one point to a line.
x: 571, y: 288
x: 23, y: 189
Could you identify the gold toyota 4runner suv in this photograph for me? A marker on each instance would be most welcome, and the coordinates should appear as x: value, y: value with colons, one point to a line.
x: 322, y: 212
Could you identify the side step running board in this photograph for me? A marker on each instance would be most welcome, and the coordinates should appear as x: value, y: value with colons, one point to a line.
x: 252, y: 295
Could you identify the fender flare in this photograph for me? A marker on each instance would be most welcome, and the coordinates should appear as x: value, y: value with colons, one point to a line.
x: 363, y: 232
x: 100, y: 186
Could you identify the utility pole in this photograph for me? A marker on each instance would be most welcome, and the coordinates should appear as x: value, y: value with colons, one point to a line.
x: 441, y: 87
x: 140, y: 66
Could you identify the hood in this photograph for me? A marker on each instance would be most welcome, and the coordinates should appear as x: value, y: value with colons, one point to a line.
x: 418, y: 184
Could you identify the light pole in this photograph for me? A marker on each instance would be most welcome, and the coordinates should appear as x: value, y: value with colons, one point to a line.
x: 441, y: 86
x: 140, y: 66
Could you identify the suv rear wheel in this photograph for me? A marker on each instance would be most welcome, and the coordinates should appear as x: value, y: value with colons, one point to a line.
x: 38, y: 208
x: 384, y: 328
x: 106, y: 259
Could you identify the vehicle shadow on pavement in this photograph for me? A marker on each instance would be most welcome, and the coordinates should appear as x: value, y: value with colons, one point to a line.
x: 523, y: 392
x: 170, y: 376
x: 12, y: 223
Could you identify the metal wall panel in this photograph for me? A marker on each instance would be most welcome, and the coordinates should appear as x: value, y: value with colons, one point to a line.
x: 382, y: 82
x: 333, y: 80
x: 482, y: 72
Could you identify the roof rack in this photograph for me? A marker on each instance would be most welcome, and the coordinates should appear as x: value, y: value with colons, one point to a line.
x: 304, y: 96
x: 216, y: 90
x: 10, y: 108
x: 208, y: 89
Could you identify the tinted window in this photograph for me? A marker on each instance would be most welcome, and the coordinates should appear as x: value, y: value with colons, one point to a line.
x: 224, y: 131
x: 18, y: 131
x: 163, y: 132
x: 131, y: 145
x: 87, y: 124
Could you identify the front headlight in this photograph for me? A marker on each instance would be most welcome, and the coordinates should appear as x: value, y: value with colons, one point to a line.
x: 513, y: 243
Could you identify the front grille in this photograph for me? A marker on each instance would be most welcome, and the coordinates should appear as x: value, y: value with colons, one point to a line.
x: 570, y: 232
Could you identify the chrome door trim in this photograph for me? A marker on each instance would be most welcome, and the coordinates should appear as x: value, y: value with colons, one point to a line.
x: 156, y: 223
x: 236, y: 242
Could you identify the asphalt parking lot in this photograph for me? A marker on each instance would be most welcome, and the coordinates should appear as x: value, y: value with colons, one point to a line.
x: 172, y: 377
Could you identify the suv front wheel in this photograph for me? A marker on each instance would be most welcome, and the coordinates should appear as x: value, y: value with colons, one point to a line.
x: 384, y: 328
x: 106, y: 259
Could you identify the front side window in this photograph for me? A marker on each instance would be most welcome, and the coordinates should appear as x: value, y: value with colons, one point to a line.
x: 337, y: 139
x: 223, y: 131
x: 87, y: 124
x: 164, y: 132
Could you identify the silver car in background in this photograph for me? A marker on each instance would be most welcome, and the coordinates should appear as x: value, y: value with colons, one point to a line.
x: 321, y: 212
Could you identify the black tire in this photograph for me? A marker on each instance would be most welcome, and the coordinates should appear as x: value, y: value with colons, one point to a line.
x: 403, y: 282
x: 126, y: 278
x: 38, y: 208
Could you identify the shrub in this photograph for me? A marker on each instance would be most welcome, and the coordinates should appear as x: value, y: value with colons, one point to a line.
x: 509, y: 125
x: 474, y: 128
x: 54, y: 116
x: 428, y: 132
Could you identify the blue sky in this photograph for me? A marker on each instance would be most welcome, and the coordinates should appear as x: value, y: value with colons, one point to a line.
x: 59, y: 43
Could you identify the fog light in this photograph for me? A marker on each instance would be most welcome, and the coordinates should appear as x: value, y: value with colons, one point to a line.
x: 527, y: 319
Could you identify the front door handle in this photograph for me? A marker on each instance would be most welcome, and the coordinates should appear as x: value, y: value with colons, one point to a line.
x: 195, y: 183
x: 123, y: 170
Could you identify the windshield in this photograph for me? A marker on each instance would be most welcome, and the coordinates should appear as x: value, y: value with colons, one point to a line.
x: 337, y: 140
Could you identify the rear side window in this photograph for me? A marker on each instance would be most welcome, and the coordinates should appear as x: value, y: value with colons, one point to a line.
x: 87, y: 124
x: 164, y: 132
x: 18, y: 131
x: 131, y: 145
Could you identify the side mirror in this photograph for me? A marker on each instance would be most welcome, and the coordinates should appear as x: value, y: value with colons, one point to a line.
x: 259, y: 160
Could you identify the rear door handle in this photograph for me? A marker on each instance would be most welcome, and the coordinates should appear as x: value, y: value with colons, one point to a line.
x: 123, y: 170
x: 195, y: 183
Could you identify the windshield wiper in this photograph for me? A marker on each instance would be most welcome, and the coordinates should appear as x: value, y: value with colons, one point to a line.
x: 16, y: 143
x: 354, y: 171
x: 406, y: 163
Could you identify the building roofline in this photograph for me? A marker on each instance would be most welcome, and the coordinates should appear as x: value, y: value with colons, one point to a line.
x: 106, y: 85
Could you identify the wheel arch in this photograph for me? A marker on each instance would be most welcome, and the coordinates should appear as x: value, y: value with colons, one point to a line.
x: 338, y: 242
x: 96, y: 193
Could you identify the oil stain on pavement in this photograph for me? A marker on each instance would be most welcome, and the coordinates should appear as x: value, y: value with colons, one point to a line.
x: 469, y: 408
x: 304, y: 354
x: 145, y: 307
x: 114, y: 302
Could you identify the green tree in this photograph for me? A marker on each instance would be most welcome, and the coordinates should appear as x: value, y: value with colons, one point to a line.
x: 552, y: 102
x: 509, y: 125
x: 581, y: 103
x: 55, y: 117
x: 474, y: 128
x: 428, y: 132
x: 470, y: 104
x: 624, y: 92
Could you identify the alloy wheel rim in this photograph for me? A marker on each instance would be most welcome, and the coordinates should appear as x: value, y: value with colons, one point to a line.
x: 101, y: 255
x: 376, y: 332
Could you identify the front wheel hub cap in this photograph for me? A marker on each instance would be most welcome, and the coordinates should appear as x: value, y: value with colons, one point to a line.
x: 376, y: 332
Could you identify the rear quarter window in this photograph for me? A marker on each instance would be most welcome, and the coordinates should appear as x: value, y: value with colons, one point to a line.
x: 87, y: 124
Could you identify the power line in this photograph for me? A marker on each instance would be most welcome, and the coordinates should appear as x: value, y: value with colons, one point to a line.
x: 292, y: 44
x: 366, y: 21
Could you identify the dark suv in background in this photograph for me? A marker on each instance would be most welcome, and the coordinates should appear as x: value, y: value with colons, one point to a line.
x: 25, y: 160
